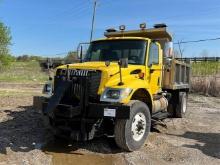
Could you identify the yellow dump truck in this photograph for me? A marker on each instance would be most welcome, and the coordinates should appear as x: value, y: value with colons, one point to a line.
x: 123, y: 82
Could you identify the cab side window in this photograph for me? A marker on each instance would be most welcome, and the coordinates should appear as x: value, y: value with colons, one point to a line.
x: 153, y: 54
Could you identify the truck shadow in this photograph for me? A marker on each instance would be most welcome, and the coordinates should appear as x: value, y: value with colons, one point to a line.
x: 207, y: 143
x: 21, y: 130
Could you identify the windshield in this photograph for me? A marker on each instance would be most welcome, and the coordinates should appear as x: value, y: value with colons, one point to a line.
x: 113, y: 50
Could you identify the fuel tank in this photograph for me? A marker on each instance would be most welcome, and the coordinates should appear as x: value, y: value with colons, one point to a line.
x: 160, y: 104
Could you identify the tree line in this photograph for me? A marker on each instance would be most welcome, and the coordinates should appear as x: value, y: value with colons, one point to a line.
x: 70, y: 57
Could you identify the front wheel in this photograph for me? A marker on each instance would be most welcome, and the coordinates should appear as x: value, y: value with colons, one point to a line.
x: 131, y: 134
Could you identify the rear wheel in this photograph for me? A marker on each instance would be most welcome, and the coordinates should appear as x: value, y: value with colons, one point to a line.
x: 178, y: 104
x: 131, y: 134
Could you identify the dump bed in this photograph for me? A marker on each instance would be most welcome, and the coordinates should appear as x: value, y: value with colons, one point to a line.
x: 176, y: 76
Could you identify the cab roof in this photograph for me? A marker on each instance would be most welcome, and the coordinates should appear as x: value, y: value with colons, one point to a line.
x: 153, y: 33
x: 120, y: 38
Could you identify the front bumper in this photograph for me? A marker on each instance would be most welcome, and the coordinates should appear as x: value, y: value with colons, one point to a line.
x: 93, y: 110
x: 118, y: 111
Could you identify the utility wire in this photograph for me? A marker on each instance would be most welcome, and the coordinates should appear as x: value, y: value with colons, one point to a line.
x: 80, y: 9
x: 195, y: 41
x: 79, y: 13
x: 181, y: 42
x: 77, y: 7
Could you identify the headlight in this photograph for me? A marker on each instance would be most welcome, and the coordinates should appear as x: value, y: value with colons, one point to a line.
x: 115, y: 94
x: 48, y: 88
x: 112, y: 94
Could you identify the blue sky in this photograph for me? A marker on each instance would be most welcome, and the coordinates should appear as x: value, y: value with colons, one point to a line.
x: 49, y: 27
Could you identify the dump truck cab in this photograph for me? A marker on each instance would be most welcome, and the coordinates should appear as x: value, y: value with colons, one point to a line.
x: 123, y: 82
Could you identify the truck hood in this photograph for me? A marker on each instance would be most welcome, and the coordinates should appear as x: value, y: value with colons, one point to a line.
x: 90, y: 65
x: 110, y: 74
x: 112, y: 69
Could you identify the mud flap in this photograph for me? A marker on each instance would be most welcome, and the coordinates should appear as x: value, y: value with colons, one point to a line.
x: 56, y: 97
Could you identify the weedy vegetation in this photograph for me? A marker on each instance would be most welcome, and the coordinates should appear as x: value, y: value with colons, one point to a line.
x: 205, y: 75
x: 206, y: 78
x: 23, y: 72
x: 205, y: 68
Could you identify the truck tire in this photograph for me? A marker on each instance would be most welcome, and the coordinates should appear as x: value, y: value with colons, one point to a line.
x: 172, y: 105
x: 130, y: 134
x: 181, y: 107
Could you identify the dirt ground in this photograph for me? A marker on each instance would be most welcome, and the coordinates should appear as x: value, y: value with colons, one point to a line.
x: 24, y: 140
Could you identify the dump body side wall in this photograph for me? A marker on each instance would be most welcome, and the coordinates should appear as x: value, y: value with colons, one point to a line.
x: 177, y: 76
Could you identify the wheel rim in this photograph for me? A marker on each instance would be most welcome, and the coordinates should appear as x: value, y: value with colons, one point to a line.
x: 138, y: 126
x: 184, y: 103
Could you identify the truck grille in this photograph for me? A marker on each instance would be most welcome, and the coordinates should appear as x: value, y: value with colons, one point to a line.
x: 78, y: 79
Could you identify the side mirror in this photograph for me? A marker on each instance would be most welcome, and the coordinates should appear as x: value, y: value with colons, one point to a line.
x: 81, y: 50
x: 80, y: 53
x: 123, y: 62
x: 168, y: 50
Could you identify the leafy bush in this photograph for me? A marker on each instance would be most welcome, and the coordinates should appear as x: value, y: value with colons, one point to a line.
x: 5, y: 41
x: 6, y: 60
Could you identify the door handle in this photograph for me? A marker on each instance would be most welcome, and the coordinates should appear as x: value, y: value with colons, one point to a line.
x: 152, y: 70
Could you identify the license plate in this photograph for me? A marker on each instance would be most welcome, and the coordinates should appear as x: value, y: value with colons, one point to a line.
x: 109, y: 112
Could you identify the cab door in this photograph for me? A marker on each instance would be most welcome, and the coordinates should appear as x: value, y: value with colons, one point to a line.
x: 154, y: 67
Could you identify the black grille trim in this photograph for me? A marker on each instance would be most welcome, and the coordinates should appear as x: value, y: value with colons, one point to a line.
x: 77, y: 76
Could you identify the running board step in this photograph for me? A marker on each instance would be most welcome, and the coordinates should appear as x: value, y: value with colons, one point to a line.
x: 160, y: 115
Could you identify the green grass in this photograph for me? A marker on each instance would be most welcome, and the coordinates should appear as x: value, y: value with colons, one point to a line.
x: 19, y: 93
x: 23, y: 72
x: 30, y: 72
x: 205, y: 68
